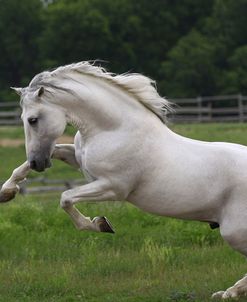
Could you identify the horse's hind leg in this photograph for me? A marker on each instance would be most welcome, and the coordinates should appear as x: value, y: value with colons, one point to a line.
x: 234, y: 231
x: 98, y: 190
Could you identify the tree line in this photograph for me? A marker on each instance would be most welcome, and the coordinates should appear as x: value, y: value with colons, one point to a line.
x: 190, y: 47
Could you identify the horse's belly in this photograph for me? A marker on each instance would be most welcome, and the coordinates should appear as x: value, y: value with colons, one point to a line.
x: 180, y: 209
x: 187, y: 202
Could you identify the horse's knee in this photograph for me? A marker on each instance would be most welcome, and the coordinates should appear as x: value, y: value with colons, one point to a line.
x: 65, y: 201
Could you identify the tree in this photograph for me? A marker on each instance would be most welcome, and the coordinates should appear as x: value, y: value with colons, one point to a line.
x: 227, y: 22
x: 190, y: 69
x: 75, y: 31
x: 20, y: 27
x: 184, y: 45
x: 131, y: 35
x: 235, y: 79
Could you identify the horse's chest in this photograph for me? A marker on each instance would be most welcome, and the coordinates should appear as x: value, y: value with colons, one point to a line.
x: 81, y: 158
x: 80, y: 155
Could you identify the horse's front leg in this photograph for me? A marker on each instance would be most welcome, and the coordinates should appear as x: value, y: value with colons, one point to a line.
x: 99, y: 190
x: 10, y: 187
x: 64, y: 152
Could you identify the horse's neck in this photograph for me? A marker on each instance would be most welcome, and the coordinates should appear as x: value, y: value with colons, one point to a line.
x: 100, y: 106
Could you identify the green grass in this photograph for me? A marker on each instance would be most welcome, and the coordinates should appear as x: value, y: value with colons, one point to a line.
x: 149, y: 259
x: 11, y: 132
x: 232, y: 132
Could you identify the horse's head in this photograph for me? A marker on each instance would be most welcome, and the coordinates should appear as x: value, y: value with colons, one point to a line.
x: 43, y: 124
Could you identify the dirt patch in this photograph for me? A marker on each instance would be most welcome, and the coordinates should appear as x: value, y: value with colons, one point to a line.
x: 6, y: 142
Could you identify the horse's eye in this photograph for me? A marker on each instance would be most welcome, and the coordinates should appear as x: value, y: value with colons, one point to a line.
x: 33, y: 120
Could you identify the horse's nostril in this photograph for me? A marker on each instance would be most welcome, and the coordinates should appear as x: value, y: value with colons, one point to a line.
x: 33, y: 164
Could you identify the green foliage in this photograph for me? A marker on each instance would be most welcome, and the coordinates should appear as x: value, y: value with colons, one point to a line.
x: 191, y: 47
x: 193, y: 58
x: 130, y: 35
x: 236, y: 77
x: 20, y: 26
x: 75, y: 37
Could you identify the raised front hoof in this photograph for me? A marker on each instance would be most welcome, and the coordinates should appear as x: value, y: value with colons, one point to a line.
x: 103, y: 224
x: 7, y: 196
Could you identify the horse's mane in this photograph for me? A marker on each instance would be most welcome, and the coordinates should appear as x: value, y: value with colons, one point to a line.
x: 139, y: 86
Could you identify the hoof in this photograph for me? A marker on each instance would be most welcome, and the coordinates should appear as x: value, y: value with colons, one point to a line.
x: 5, y: 197
x: 103, y: 224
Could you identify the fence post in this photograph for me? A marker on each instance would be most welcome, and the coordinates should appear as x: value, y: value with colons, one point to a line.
x: 240, y: 108
x: 199, y: 106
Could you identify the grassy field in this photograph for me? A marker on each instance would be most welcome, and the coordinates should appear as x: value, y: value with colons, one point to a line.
x: 149, y: 259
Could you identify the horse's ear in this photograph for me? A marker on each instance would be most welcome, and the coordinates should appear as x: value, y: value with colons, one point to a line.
x: 17, y: 90
x: 40, y: 92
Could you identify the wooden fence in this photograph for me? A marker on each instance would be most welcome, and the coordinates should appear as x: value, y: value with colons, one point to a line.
x: 230, y: 108
x: 10, y: 113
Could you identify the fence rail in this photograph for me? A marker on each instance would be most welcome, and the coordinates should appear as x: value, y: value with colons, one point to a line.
x: 225, y: 108
x: 10, y: 113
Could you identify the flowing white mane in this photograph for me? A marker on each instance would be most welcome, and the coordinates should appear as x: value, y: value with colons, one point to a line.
x: 139, y: 86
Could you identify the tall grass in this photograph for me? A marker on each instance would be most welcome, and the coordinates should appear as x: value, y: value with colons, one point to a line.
x: 150, y: 258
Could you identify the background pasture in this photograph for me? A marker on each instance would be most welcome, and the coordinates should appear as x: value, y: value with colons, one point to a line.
x: 150, y: 258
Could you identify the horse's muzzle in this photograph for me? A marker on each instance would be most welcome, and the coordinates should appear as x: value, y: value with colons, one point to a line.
x: 40, y: 165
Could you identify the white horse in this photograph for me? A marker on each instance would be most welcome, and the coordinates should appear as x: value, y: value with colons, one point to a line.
x: 128, y: 153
